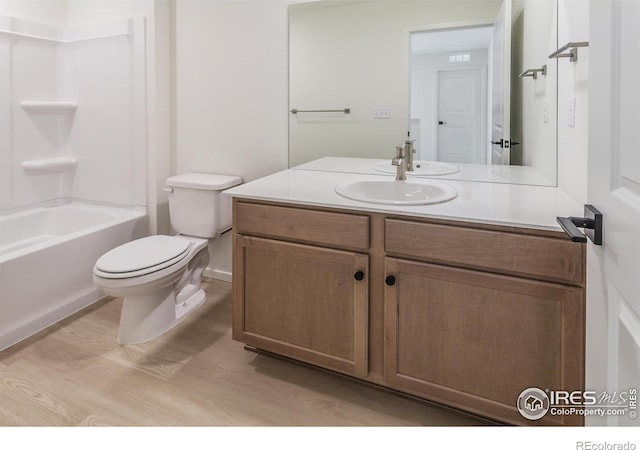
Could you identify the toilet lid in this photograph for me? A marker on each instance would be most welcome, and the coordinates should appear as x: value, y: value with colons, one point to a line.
x: 146, y: 253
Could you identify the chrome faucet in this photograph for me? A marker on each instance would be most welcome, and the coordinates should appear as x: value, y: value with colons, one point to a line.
x: 408, y: 150
x: 401, y: 164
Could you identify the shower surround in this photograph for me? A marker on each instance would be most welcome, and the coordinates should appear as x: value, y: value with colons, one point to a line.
x: 73, y: 168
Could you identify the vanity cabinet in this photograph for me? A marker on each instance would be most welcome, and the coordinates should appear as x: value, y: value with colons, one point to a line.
x: 462, y: 314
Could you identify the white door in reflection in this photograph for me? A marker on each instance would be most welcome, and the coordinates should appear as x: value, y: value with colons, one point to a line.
x: 501, y: 87
x: 449, y: 93
x: 460, y: 122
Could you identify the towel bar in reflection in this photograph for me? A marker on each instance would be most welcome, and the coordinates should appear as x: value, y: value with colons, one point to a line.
x: 573, y: 52
x: 344, y: 110
x: 533, y: 73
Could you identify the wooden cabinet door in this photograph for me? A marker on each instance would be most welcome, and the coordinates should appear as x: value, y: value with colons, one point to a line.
x: 302, y: 301
x: 476, y: 340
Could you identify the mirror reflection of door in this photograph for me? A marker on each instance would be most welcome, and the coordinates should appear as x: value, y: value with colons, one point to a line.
x: 501, y: 92
x: 460, y: 131
x: 450, y: 87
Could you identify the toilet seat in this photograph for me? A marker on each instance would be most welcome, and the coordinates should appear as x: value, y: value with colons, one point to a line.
x: 142, y: 256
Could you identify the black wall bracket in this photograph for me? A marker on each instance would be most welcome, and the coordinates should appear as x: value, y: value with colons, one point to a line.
x: 591, y: 222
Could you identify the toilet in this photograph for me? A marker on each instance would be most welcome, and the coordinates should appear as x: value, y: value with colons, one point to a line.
x: 159, y: 277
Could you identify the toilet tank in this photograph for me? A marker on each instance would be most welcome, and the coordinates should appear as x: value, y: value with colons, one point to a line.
x: 197, y: 206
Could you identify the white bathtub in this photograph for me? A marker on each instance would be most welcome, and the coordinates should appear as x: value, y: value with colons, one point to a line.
x: 46, y: 261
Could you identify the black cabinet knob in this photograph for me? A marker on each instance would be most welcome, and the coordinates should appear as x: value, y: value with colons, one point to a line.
x: 390, y: 280
x: 359, y: 275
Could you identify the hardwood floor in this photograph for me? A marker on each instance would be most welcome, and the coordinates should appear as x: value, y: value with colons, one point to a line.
x: 75, y: 374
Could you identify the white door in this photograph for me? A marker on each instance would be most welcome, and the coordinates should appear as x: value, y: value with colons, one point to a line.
x: 613, y: 277
x: 460, y: 118
x: 501, y: 86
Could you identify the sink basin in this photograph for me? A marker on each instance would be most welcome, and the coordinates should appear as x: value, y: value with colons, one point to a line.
x: 392, y: 192
x: 424, y: 168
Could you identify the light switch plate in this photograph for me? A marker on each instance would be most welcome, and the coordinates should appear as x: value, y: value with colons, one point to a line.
x: 571, y: 112
x: 381, y: 112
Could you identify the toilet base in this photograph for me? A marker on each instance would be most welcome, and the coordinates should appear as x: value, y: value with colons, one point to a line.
x: 146, y: 317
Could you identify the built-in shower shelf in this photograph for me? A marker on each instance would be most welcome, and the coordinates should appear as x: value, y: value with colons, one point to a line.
x: 49, y: 106
x: 50, y: 165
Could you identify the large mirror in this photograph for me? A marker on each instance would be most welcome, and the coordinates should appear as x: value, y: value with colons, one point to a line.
x: 468, y: 86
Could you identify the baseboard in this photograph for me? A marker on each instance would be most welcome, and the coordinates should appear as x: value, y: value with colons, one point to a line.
x: 217, y: 274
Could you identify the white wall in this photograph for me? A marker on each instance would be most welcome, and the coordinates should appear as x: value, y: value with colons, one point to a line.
x: 231, y: 83
x: 573, y: 81
x: 53, y: 12
x: 80, y: 12
x: 537, y: 135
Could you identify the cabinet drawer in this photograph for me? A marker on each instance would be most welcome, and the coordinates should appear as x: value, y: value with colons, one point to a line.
x: 302, y: 225
x: 536, y: 257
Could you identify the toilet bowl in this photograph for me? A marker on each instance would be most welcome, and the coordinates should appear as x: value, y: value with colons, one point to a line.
x: 159, y: 277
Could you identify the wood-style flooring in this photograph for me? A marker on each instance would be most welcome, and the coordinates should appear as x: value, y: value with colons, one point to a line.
x: 76, y: 374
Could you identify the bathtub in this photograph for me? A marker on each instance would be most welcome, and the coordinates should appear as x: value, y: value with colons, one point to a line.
x: 47, y: 255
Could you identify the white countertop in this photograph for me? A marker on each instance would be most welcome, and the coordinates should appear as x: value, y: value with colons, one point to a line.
x: 482, y: 202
